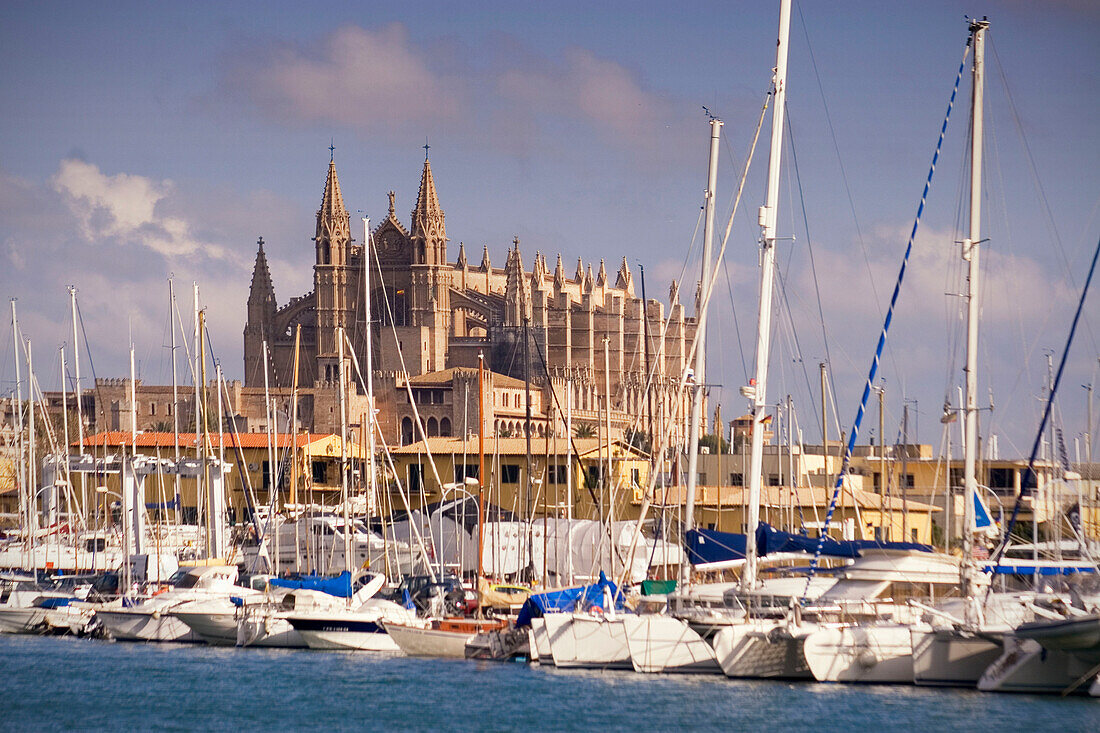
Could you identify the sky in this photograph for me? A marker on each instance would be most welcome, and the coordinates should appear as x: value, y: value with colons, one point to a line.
x: 143, y: 141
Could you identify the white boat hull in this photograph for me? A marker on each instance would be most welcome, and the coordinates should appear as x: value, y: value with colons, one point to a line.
x: 1026, y: 667
x: 136, y: 625
x: 590, y: 642
x: 764, y: 649
x: 540, y: 642
x: 947, y: 658
x: 22, y: 620
x: 872, y: 653
x: 664, y: 644
x: 218, y: 628
x: 346, y: 632
x: 424, y: 642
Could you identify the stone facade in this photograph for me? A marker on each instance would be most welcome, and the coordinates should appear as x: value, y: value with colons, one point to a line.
x: 425, y: 314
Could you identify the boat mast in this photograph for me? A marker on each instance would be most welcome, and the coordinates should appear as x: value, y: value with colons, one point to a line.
x: 368, y: 345
x: 175, y: 389
x: 757, y: 390
x: 79, y: 406
x: 480, y: 473
x: 24, y: 504
x: 294, y: 450
x: 970, y: 252
x: 344, y: 455
x: 700, y: 371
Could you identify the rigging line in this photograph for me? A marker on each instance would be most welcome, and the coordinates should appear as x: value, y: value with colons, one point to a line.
x: 1033, y: 169
x: 736, y: 323
x: 813, y: 265
x: 1029, y: 475
x: 885, y: 330
x: 840, y: 160
x: 797, y: 346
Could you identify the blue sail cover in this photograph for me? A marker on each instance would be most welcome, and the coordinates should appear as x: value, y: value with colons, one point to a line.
x: 568, y: 599
x: 706, y: 546
x: 339, y: 586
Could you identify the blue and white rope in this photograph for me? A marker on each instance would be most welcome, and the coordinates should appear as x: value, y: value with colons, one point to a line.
x: 885, y: 330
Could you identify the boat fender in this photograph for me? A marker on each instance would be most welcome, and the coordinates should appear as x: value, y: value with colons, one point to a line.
x: 868, y: 659
x: 156, y: 614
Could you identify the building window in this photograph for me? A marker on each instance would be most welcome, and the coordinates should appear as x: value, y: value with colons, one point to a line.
x: 415, y: 483
x: 559, y: 474
x: 1000, y: 479
x: 465, y: 471
x: 320, y: 472
x: 433, y: 427
x: 509, y: 473
x: 266, y: 475
x: 774, y: 479
x: 737, y: 479
x: 152, y: 408
x: 908, y: 481
x: 445, y: 427
x: 592, y: 475
x: 636, y: 476
x: 437, y: 397
x: 406, y: 431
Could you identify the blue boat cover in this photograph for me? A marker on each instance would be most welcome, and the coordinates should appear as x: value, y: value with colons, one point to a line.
x: 54, y: 602
x: 568, y: 599
x: 710, y: 546
x: 339, y: 586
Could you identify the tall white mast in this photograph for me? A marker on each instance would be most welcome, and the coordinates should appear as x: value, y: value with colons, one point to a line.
x: 25, y: 499
x: 970, y: 251
x: 700, y: 342
x: 175, y: 395
x: 369, y: 360
x: 757, y: 390
x: 344, y: 455
x: 79, y: 399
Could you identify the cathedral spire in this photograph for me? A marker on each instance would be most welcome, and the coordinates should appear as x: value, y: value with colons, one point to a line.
x: 486, y: 265
x: 461, y: 263
x: 578, y: 277
x: 332, y: 201
x: 428, y: 228
x: 625, y: 281
x: 601, y: 278
x: 517, y: 290
x: 262, y: 290
x: 559, y: 274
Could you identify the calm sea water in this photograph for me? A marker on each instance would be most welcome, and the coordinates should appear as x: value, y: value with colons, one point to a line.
x: 67, y: 683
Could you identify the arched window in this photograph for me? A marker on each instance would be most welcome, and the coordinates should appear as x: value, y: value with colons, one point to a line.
x: 406, y: 431
x: 433, y: 428
x: 445, y: 427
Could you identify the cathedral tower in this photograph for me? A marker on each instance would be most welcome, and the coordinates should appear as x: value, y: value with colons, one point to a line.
x: 330, y: 274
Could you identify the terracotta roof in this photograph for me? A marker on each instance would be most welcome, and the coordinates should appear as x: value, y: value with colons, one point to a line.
x: 118, y: 438
x: 446, y: 376
x: 777, y: 496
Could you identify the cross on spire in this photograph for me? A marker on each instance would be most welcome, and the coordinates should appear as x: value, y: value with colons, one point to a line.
x: 331, y: 150
x: 426, y: 147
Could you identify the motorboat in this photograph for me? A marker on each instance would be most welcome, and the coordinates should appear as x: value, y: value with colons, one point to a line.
x: 152, y: 619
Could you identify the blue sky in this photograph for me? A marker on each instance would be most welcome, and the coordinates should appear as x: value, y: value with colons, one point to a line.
x: 141, y: 139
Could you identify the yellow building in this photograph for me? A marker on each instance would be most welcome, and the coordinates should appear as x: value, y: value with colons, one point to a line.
x: 426, y: 469
x: 858, y: 515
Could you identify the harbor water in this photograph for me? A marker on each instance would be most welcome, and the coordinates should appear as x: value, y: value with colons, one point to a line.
x: 52, y: 683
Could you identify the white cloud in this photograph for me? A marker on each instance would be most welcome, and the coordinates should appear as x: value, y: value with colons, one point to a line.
x: 498, y: 95
x: 354, y: 76
x: 124, y: 206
